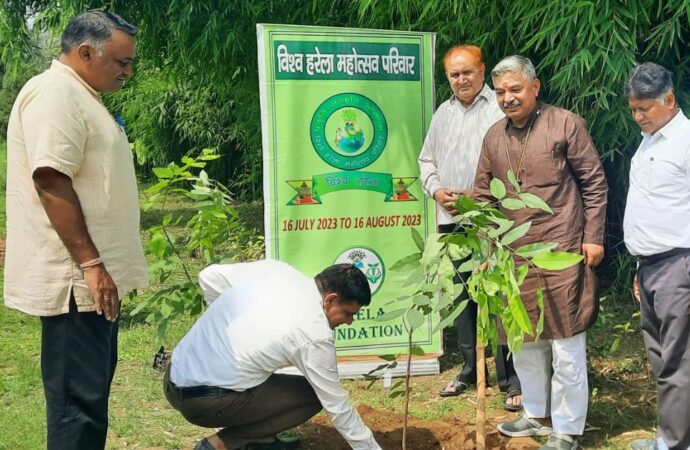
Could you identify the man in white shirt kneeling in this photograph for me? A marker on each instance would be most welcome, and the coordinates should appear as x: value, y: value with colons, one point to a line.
x: 264, y: 316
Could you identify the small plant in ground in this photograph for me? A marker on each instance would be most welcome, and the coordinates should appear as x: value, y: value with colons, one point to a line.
x: 482, y: 247
x: 208, y: 236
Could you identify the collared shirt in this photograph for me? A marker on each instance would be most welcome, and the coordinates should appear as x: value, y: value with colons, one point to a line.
x: 453, y: 143
x: 268, y: 317
x: 657, y: 211
x: 59, y: 121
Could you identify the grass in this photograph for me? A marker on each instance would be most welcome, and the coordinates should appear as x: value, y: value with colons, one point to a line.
x: 622, y: 404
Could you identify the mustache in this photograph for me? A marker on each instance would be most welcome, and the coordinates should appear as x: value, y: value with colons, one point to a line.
x: 512, y: 104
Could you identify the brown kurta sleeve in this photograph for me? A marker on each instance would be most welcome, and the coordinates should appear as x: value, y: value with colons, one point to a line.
x: 584, y: 161
x: 482, y: 179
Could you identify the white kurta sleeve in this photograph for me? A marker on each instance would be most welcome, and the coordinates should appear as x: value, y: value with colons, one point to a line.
x: 317, y: 362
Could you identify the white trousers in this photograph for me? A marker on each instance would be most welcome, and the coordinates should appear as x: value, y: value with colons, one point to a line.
x: 553, y: 374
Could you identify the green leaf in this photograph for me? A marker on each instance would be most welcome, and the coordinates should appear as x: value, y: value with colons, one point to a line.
x: 421, y: 300
x: 516, y: 233
x: 519, y: 313
x: 540, y: 304
x: 407, y: 263
x: 417, y: 350
x: 534, y: 201
x: 513, y: 181
x: 503, y: 226
x: 512, y: 203
x: 556, y: 260
x: 450, y: 318
x: 446, y: 273
x: 522, y: 273
x: 418, y: 239
x: 415, y: 319
x: 536, y: 248
x: 388, y: 357
x: 390, y: 315
x: 498, y: 189
x: 163, y: 172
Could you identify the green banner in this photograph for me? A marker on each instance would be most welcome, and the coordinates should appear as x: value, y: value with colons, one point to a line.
x: 344, y: 115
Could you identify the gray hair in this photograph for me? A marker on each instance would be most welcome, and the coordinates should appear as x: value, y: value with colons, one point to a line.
x: 515, y: 64
x: 649, y: 81
x: 94, y: 28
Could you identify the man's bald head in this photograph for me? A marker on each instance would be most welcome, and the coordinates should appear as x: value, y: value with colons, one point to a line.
x: 470, y: 51
x: 465, y: 72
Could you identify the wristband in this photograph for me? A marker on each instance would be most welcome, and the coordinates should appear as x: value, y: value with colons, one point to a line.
x: 91, y: 263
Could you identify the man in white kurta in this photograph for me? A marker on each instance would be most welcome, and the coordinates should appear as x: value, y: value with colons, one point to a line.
x: 73, y: 246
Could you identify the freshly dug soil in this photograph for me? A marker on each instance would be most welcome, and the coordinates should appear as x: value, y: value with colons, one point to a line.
x: 444, y: 434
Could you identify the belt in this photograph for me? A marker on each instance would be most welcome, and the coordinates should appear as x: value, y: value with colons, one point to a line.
x: 197, y: 391
x: 651, y: 259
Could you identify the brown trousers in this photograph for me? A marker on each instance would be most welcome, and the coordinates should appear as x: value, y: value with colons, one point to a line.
x: 280, y: 403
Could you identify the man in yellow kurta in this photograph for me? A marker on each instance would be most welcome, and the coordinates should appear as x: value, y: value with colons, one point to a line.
x: 552, y: 156
x: 73, y: 248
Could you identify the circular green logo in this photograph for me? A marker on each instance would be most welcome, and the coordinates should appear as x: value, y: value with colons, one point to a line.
x: 349, y: 131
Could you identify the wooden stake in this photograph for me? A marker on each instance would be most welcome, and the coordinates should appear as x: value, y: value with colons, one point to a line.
x: 481, y: 396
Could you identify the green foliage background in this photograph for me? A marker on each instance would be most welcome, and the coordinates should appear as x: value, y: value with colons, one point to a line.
x: 196, y: 83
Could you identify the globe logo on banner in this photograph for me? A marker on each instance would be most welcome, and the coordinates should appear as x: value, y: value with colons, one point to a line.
x: 366, y: 260
x: 348, y: 131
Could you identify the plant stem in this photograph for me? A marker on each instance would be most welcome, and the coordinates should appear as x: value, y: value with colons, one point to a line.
x: 481, y: 396
x: 407, y: 388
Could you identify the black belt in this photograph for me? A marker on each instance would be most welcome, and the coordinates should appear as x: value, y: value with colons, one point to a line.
x: 651, y: 259
x: 197, y: 391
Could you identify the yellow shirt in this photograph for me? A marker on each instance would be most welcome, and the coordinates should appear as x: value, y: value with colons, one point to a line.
x: 59, y: 121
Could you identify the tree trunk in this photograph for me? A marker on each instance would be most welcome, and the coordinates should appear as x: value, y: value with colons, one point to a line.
x: 481, y: 396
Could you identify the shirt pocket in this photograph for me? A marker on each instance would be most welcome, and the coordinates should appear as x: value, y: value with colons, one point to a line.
x: 667, y: 174
x: 549, y: 163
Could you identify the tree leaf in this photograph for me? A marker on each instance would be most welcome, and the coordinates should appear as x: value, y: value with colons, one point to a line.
x: 414, y: 317
x: 421, y: 300
x: 390, y: 315
x: 418, y: 239
x: 417, y: 350
x: 519, y: 313
x: 540, y: 304
x: 407, y: 263
x: 512, y: 203
x: 536, y: 248
x: 513, y: 181
x: 534, y: 201
x: 522, y: 273
x: 556, y: 260
x: 450, y: 318
x: 516, y: 233
x: 498, y: 189
x: 503, y: 226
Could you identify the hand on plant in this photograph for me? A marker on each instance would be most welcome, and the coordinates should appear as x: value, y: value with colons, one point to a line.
x: 636, y: 289
x: 103, y: 290
x: 446, y: 198
x: 593, y: 254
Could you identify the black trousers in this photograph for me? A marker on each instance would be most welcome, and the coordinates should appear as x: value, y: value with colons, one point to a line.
x: 466, y: 329
x: 665, y: 305
x: 278, y: 404
x: 78, y: 359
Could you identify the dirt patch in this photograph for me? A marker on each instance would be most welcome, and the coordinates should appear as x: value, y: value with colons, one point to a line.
x: 444, y: 434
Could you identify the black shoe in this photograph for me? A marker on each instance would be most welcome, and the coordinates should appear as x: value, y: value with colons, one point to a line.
x: 281, y: 443
x: 204, y: 444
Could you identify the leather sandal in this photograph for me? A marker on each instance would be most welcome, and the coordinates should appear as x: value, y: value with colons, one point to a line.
x: 512, y: 407
x: 457, y: 388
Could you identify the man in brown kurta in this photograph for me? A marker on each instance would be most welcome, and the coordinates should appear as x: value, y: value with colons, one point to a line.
x: 552, y: 155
